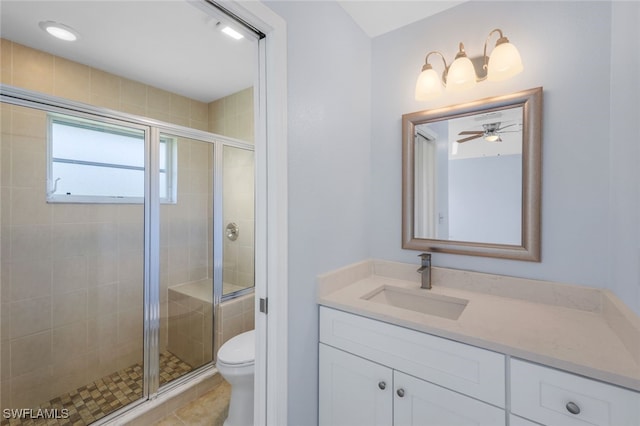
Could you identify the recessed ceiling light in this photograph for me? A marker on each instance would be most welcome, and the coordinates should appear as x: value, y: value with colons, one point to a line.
x: 61, y: 31
x: 232, y: 33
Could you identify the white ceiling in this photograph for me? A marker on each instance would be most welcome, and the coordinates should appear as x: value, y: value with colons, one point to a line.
x: 377, y: 17
x: 147, y: 41
x: 151, y: 41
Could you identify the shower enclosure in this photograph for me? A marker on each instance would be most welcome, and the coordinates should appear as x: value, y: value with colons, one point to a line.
x: 120, y: 236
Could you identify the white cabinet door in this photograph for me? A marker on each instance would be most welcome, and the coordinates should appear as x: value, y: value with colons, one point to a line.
x: 420, y: 403
x: 353, y: 391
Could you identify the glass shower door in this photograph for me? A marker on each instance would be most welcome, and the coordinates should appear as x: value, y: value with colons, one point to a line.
x: 186, y: 255
x: 72, y: 259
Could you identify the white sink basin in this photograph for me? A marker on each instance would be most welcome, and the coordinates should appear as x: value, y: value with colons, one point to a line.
x: 418, y: 301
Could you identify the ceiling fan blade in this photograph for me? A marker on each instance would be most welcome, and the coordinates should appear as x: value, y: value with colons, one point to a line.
x: 501, y: 128
x: 471, y: 132
x: 469, y: 138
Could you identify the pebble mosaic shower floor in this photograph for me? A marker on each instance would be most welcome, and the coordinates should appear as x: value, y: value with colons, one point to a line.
x: 95, y: 400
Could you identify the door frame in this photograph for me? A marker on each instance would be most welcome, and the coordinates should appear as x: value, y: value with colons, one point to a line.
x: 271, y: 260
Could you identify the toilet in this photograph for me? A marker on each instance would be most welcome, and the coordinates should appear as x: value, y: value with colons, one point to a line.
x: 235, y: 363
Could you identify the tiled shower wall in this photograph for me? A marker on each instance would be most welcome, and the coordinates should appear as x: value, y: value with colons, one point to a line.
x: 233, y: 116
x: 64, y: 263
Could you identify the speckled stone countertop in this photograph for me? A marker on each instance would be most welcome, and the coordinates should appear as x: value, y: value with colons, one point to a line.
x: 582, y: 330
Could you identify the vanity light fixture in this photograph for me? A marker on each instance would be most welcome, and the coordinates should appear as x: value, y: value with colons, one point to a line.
x: 504, y: 63
x: 58, y: 30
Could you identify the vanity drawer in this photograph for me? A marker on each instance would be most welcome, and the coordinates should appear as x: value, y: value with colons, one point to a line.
x: 466, y: 369
x: 549, y: 396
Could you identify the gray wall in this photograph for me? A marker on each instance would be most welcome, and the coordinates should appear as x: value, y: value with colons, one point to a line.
x: 328, y: 164
x: 590, y: 207
x: 346, y: 97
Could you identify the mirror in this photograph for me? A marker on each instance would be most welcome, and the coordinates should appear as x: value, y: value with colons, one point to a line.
x: 471, y: 177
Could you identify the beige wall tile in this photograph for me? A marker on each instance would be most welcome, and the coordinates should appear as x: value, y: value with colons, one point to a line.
x: 180, y: 106
x: 134, y: 93
x: 29, y: 316
x: 6, y: 64
x: 70, y: 240
x: 68, y: 341
x: 29, y: 122
x: 69, y: 307
x: 30, y: 353
x: 28, y: 169
x: 199, y: 111
x: 5, y: 325
x: 5, y: 168
x: 158, y: 101
x: 30, y: 279
x: 103, y: 300
x: 71, y: 80
x: 33, y: 69
x: 28, y: 207
x: 103, y: 332
x: 102, y: 269
x: 130, y: 326
x: 29, y: 242
x: 69, y: 274
x: 30, y: 388
x: 106, y: 87
x: 130, y: 295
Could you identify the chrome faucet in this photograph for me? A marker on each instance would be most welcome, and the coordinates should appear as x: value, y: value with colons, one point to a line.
x: 425, y: 270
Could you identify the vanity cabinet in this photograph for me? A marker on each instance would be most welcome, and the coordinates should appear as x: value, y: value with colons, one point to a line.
x: 551, y: 397
x: 375, y: 373
x: 355, y: 391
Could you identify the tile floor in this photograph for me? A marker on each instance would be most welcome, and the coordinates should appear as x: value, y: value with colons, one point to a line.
x: 210, y: 409
x: 95, y: 400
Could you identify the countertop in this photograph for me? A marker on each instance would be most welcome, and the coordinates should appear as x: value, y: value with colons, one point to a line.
x: 578, y: 329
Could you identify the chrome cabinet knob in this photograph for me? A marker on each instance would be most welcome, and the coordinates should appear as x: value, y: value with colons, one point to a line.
x: 382, y: 385
x: 573, y: 408
x: 400, y: 392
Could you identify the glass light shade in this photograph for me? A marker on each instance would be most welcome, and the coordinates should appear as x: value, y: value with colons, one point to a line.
x: 491, y: 138
x: 461, y: 75
x: 59, y: 31
x: 504, y: 62
x: 428, y: 85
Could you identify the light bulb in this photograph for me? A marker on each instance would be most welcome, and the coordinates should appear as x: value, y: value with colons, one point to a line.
x: 504, y: 62
x: 59, y: 31
x: 428, y: 85
x: 461, y: 75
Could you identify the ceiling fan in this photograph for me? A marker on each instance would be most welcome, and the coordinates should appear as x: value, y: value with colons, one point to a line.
x: 491, y: 132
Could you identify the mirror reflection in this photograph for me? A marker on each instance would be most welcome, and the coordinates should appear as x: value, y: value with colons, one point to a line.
x: 470, y: 161
x: 471, y: 177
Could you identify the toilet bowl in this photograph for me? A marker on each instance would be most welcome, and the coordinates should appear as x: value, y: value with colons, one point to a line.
x: 235, y: 363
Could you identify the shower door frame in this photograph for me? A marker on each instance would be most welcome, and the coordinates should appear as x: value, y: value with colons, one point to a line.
x: 151, y: 285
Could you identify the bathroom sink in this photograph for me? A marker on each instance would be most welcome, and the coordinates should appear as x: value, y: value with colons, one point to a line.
x: 418, y: 301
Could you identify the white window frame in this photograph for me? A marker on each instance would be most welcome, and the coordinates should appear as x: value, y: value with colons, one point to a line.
x: 170, y: 169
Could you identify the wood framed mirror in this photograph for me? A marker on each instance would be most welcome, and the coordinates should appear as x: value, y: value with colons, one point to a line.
x: 471, y: 177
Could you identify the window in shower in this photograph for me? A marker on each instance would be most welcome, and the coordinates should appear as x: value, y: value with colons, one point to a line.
x: 98, y: 162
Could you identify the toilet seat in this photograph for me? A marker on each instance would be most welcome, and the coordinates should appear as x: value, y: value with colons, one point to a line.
x: 239, y: 350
